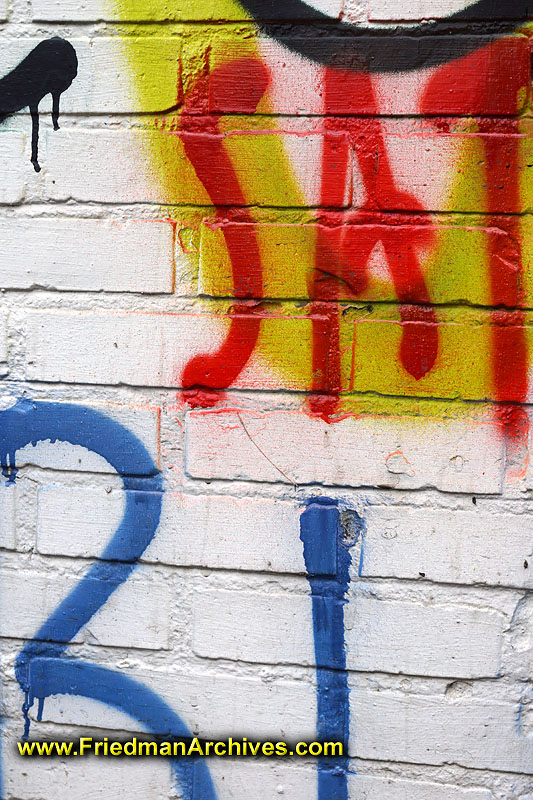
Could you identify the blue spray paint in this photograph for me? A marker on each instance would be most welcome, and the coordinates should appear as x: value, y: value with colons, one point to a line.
x: 39, y: 668
x: 51, y: 676
x: 327, y: 560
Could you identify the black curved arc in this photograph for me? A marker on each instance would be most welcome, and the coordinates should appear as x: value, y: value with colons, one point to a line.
x: 380, y: 49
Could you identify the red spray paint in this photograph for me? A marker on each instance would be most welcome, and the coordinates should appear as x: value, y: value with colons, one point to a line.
x: 348, y: 93
x: 502, y: 72
x: 238, y: 85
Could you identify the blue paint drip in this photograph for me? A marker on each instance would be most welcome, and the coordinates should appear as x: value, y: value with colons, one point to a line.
x: 39, y: 669
x: 327, y: 560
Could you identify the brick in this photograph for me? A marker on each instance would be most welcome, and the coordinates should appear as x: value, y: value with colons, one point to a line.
x: 448, y: 546
x: 153, y: 349
x: 144, y: 777
x: 149, y: 91
x: 369, y: 787
x: 77, y: 522
x: 136, y: 615
x: 300, y: 783
x: 381, y: 635
x: 7, y: 517
x: 12, y: 167
x: 87, y: 254
x: 116, y: 168
x: 450, y: 455
x: 289, y: 258
x: 476, y: 733
x: 212, y: 706
x: 424, y: 167
x: 378, y: 365
x: 234, y: 782
x: 214, y: 531
x: 146, y: 349
x: 143, y: 422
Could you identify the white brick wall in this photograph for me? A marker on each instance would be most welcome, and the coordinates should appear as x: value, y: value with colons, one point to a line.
x: 434, y: 730
x: 113, y: 160
x: 216, y: 619
x: 136, y: 615
x: 13, y: 166
x: 392, y: 10
x: 148, y: 349
x: 211, y: 705
x: 146, y: 778
x: 3, y: 341
x: 100, y: 86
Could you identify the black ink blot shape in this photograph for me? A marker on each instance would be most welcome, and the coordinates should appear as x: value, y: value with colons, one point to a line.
x: 50, y: 68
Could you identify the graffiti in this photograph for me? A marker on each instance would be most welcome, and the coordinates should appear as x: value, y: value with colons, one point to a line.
x: 50, y: 68
x: 327, y: 561
x: 41, y: 668
x: 391, y: 218
x: 206, y: 152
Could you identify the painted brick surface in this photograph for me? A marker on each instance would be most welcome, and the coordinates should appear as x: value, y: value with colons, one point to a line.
x: 138, y: 11
x: 3, y: 339
x: 210, y: 704
x: 372, y: 788
x: 99, y: 88
x: 229, y: 533
x: 381, y: 636
x: 299, y: 783
x: 12, y: 170
x: 352, y: 453
x: 143, y: 421
x: 113, y: 179
x: 392, y: 10
x: 7, y: 517
x: 294, y: 97
x: 147, y: 780
x: 450, y: 546
x: 87, y: 255
x: 137, y: 616
x: 112, y: 347
x: 279, y: 242
x: 265, y: 422
x: 435, y: 730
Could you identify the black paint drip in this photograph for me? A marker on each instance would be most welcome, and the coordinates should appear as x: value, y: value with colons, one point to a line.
x: 50, y: 68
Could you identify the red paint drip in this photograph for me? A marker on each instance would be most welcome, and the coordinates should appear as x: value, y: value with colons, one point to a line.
x: 237, y: 86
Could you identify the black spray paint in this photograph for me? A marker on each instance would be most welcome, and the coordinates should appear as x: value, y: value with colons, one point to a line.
x: 50, y: 68
x: 382, y: 49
